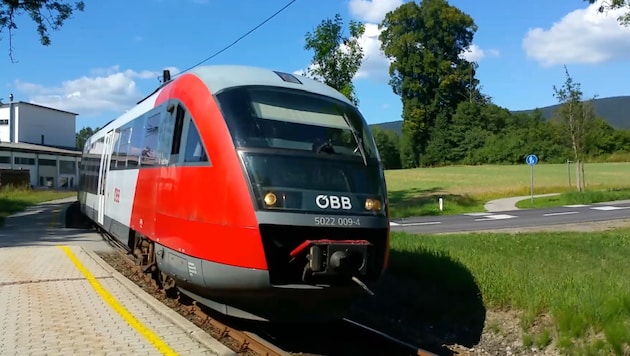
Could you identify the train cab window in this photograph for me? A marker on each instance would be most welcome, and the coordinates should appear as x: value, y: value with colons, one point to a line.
x: 195, y: 152
x: 177, y: 132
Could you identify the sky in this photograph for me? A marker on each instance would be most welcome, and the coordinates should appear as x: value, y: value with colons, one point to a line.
x: 106, y: 58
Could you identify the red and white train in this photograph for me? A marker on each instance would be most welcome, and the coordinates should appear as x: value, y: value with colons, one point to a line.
x: 258, y: 193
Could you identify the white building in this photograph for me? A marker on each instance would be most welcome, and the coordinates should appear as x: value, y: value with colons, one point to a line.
x: 42, y: 140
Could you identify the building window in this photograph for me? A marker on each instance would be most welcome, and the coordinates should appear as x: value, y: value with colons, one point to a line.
x: 6, y: 160
x: 4, y: 122
x: 47, y: 181
x: 47, y: 162
x: 66, y: 167
x: 24, y: 160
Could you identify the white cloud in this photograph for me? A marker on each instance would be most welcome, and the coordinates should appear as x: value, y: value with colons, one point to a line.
x: 474, y: 53
x: 104, y: 90
x: 582, y: 36
x: 375, y: 64
x: 373, y: 11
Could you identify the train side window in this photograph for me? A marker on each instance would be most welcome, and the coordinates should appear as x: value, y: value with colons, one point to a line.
x: 137, y: 141
x: 115, y: 144
x: 168, y: 135
x: 195, y: 152
x: 149, y: 148
x: 125, y: 143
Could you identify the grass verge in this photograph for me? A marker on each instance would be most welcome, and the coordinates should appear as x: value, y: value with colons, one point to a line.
x: 13, y: 200
x: 465, y: 189
x: 579, y: 281
x: 570, y: 198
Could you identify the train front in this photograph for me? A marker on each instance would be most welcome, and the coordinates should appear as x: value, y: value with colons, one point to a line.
x: 320, y: 197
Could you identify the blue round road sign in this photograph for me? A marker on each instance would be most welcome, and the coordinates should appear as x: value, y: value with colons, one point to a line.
x: 531, y: 160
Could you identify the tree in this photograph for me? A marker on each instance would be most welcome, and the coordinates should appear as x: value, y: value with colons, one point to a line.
x: 47, y: 15
x: 427, y: 71
x: 387, y: 143
x: 609, y: 5
x: 83, y: 135
x: 575, y: 116
x: 336, y: 57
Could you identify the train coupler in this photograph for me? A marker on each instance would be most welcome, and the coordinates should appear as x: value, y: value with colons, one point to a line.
x: 334, y: 259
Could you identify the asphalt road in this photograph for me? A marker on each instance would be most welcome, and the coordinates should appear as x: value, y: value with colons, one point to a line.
x: 44, y: 225
x: 514, y: 219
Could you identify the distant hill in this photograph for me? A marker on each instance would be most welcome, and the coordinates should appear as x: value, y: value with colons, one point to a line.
x: 615, y: 110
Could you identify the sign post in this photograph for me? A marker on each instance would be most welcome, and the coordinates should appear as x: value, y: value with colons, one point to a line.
x: 531, y: 160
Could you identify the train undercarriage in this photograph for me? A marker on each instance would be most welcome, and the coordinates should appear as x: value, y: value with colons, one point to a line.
x: 305, y: 302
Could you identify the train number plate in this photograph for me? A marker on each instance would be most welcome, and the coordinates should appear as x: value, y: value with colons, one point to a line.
x: 337, y: 221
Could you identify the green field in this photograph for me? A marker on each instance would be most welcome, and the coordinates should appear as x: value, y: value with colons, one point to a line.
x: 468, y: 188
x: 580, y: 280
x: 14, y: 200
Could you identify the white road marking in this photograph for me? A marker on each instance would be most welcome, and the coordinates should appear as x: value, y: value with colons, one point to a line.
x: 496, y: 217
x: 608, y: 208
x: 418, y: 223
x: 391, y: 223
x: 478, y: 214
x: 563, y: 213
x: 576, y: 206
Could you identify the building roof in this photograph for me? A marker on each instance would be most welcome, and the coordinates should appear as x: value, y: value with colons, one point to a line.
x: 32, y: 148
x: 6, y: 105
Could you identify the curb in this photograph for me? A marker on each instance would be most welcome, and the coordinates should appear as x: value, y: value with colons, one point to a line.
x: 195, y: 332
x: 509, y: 204
x: 57, y: 201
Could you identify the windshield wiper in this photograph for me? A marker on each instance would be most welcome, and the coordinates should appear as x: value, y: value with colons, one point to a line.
x: 358, y: 140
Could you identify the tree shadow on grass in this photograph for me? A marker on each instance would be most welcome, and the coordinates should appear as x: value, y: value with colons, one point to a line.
x: 425, y: 202
x: 427, y: 299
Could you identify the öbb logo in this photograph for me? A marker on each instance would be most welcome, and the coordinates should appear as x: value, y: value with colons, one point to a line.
x: 333, y: 202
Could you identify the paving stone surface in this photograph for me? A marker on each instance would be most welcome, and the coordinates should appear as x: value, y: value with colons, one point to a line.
x: 47, y: 306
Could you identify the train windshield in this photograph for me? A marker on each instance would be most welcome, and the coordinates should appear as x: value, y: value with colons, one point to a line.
x: 304, y: 148
x: 279, y: 118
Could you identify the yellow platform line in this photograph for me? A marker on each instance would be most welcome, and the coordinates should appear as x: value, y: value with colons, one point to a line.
x: 52, y: 217
x: 149, y: 335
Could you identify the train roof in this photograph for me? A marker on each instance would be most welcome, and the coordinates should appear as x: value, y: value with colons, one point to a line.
x: 219, y: 77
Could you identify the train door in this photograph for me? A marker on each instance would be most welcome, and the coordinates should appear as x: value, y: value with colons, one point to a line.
x: 103, y: 170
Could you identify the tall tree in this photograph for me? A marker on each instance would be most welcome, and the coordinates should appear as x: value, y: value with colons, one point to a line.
x: 387, y: 143
x: 47, y: 15
x: 337, y: 57
x: 609, y: 5
x: 425, y: 42
x: 575, y: 116
x: 83, y: 135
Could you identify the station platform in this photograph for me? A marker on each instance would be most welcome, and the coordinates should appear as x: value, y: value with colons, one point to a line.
x: 65, y: 300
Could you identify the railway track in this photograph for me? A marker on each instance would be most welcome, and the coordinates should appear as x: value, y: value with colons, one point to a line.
x: 247, y: 338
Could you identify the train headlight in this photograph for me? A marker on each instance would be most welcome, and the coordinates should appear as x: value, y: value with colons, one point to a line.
x: 270, y: 199
x: 372, y: 204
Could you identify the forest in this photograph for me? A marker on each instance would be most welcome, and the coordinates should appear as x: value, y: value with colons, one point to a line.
x: 484, y: 133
